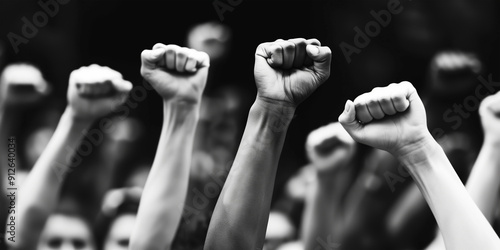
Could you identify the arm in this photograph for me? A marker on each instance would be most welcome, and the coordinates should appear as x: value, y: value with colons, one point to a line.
x: 483, y: 183
x: 39, y: 194
x: 165, y: 191
x: 404, y: 134
x: 21, y: 86
x: 330, y: 149
x: 286, y: 72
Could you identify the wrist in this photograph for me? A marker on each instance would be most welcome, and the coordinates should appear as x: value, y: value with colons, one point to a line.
x: 422, y: 141
x: 180, y: 112
x: 276, y: 108
x: 273, y: 116
x: 69, y: 115
x: 419, y: 154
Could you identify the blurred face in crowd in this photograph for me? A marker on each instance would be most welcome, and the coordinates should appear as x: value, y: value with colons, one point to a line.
x: 63, y: 232
x: 212, y: 38
x: 119, y: 233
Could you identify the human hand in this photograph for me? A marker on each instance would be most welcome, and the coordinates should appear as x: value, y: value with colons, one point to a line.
x: 391, y: 118
x: 177, y: 74
x: 287, y: 72
x: 94, y: 91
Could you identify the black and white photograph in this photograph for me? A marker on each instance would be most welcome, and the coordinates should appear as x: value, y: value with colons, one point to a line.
x: 250, y: 124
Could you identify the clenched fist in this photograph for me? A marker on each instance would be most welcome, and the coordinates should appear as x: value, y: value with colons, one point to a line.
x: 287, y: 72
x: 454, y: 72
x: 490, y: 118
x: 391, y: 118
x: 176, y: 73
x: 22, y: 84
x: 330, y: 147
x: 94, y: 91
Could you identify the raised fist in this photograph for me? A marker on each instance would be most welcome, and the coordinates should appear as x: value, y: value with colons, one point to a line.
x: 287, y: 72
x: 176, y: 73
x: 95, y: 91
x: 330, y: 147
x: 490, y: 117
x: 454, y: 72
x: 391, y: 118
x: 22, y: 84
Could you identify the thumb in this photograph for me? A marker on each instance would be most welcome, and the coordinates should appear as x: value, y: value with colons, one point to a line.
x: 123, y: 86
x: 348, y: 118
x: 322, y: 58
x: 149, y: 58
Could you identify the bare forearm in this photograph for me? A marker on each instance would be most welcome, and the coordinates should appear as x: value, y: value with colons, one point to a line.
x: 483, y: 181
x: 449, y: 200
x: 40, y: 191
x: 240, y: 217
x: 481, y: 185
x: 165, y: 191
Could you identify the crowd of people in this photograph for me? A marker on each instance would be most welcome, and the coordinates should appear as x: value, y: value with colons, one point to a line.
x: 382, y: 174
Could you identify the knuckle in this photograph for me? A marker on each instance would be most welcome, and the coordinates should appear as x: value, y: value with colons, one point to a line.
x: 298, y: 41
x: 372, y: 102
x: 158, y: 45
x: 384, y: 99
x: 314, y: 41
x: 288, y: 46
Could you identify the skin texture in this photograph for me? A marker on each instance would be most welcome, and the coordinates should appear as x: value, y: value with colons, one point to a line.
x: 286, y: 73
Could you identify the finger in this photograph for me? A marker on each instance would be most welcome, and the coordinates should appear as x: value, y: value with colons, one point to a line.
x: 95, y: 90
x: 300, y: 51
x: 170, y: 56
x: 313, y: 41
x: 123, y: 86
x: 362, y: 113
x: 274, y: 54
x: 288, y: 54
x: 181, y: 59
x: 374, y: 108
x: 322, y: 57
x: 308, y: 61
x: 348, y: 118
x: 191, y: 64
x: 150, y: 58
x: 202, y: 59
x: 386, y: 104
x: 159, y: 46
x: 401, y: 96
